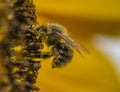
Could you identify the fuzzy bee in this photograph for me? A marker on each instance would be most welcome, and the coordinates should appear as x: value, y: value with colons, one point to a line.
x: 56, y: 37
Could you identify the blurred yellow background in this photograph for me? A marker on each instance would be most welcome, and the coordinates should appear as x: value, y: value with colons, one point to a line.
x: 87, y: 21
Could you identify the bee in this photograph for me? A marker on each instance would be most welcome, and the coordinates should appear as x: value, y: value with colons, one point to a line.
x: 61, y: 43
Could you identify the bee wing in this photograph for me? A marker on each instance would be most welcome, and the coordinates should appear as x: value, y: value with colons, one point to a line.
x: 74, y: 44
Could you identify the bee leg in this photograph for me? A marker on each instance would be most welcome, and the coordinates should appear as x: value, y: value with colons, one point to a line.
x: 46, y: 54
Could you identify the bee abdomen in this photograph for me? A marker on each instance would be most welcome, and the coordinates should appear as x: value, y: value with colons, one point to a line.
x: 63, y: 55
